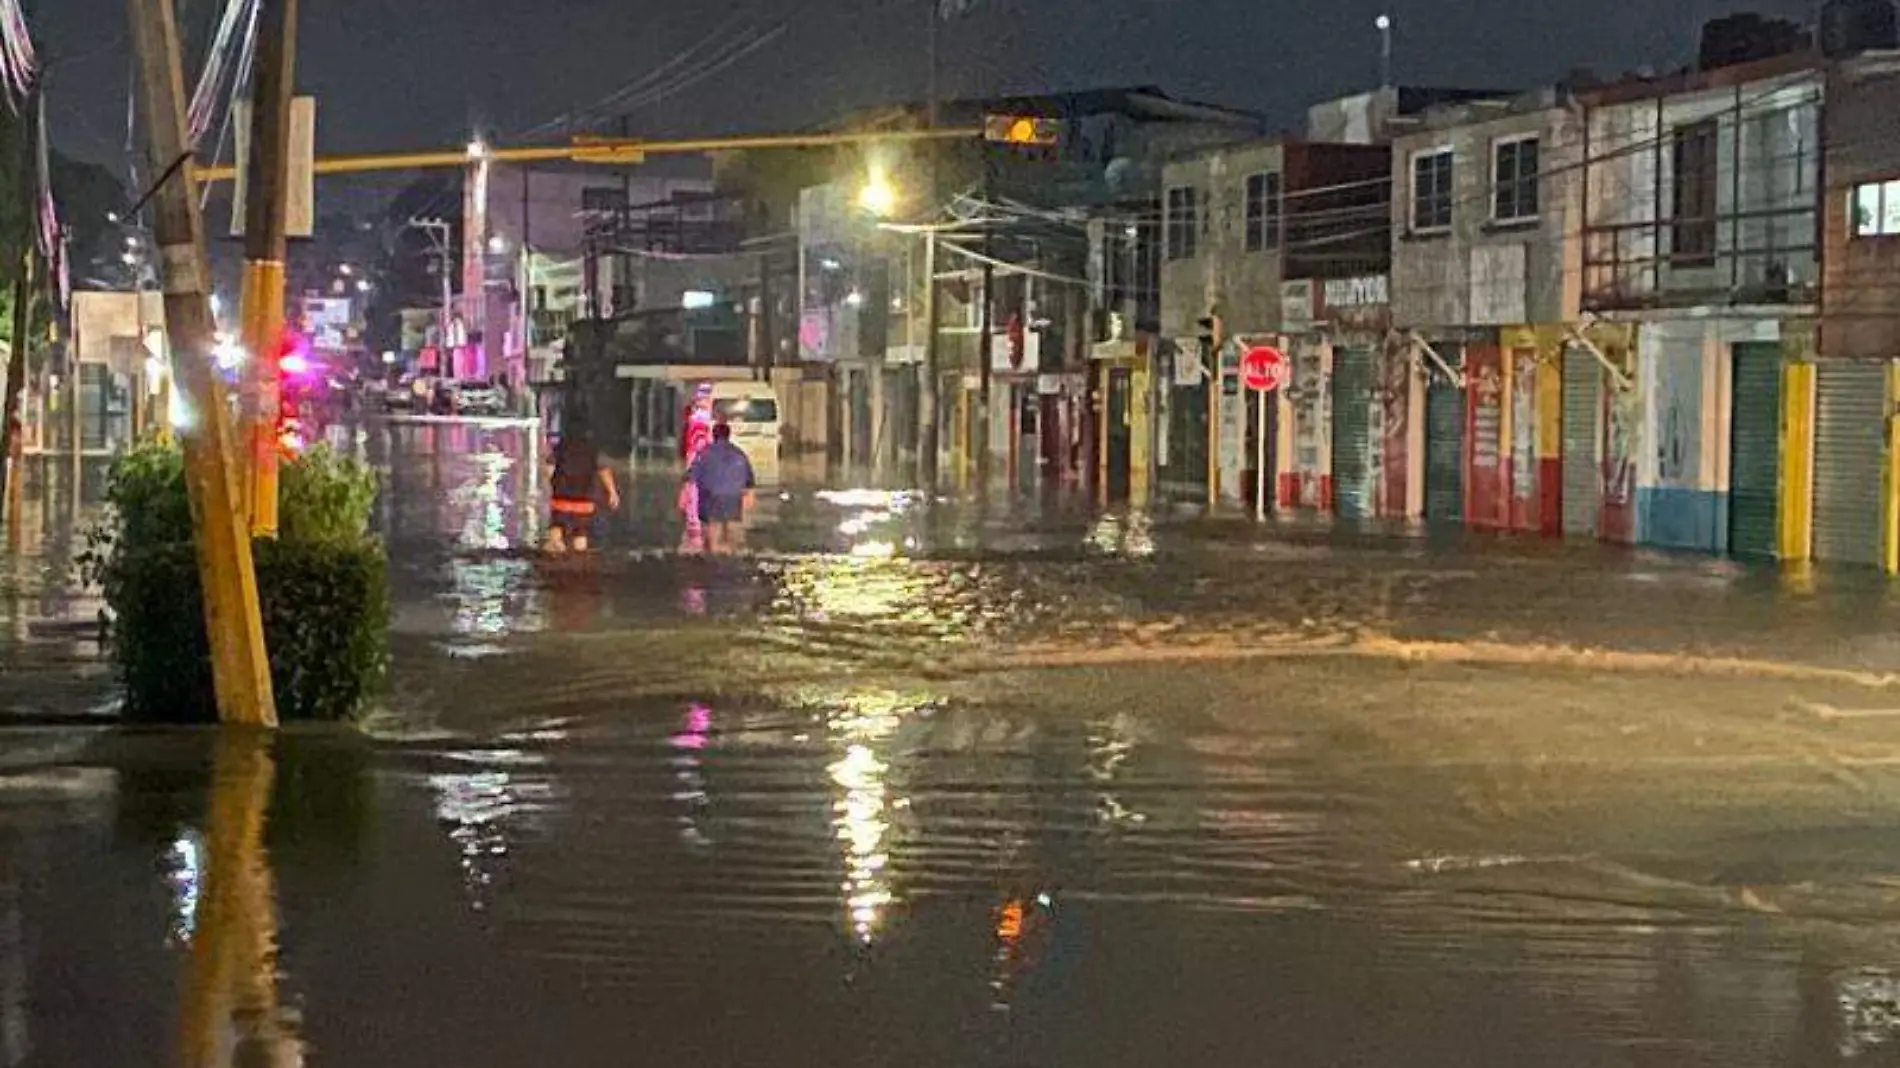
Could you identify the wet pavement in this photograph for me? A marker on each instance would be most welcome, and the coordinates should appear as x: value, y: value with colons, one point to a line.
x: 933, y: 785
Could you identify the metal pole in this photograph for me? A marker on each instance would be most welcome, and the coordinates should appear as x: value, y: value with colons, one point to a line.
x: 1260, y: 455
x: 240, y: 670
x: 266, y: 207
x: 927, y: 386
x: 927, y: 378
x: 986, y: 354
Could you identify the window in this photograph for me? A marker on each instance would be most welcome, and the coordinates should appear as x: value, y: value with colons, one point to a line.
x: 1876, y: 209
x: 1184, y: 218
x: 1514, y: 190
x: 603, y: 198
x: 1431, y: 190
x: 1263, y: 212
x: 1692, y: 198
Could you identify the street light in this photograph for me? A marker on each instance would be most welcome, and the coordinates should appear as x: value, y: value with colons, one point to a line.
x: 497, y: 244
x: 345, y: 270
x: 477, y: 149
x: 878, y: 196
x: 1384, y: 25
x: 363, y: 285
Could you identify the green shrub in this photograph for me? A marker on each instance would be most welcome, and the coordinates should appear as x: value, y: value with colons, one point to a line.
x: 322, y: 586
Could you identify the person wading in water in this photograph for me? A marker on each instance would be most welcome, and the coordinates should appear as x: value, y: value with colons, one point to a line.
x: 578, y: 471
x: 724, y: 480
x: 695, y: 436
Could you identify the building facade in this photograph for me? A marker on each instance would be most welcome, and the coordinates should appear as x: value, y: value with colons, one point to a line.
x: 1700, y: 216
x: 1485, y: 272
x: 1853, y: 476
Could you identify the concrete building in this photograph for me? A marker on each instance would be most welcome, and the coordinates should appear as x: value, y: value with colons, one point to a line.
x: 1239, y: 223
x: 1486, y: 273
x: 1854, y: 472
x: 1700, y: 223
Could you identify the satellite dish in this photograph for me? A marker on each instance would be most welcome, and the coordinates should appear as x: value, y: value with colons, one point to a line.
x: 1118, y: 173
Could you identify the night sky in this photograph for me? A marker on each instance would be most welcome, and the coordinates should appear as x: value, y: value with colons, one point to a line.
x: 400, y: 74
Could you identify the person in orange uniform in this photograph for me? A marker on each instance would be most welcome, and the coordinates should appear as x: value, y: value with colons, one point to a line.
x: 578, y: 469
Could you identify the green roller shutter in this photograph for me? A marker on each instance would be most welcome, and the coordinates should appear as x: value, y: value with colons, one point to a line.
x: 1352, y: 433
x: 1444, y: 450
x: 1754, y: 450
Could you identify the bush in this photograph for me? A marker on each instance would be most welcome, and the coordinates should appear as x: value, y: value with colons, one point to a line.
x: 322, y: 587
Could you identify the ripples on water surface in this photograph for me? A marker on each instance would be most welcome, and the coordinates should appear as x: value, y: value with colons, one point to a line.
x: 835, y: 806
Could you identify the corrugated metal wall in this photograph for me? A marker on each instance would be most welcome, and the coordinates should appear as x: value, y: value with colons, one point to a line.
x: 1582, y: 443
x: 1444, y: 451
x: 1754, y: 449
x: 1850, y: 436
x: 1352, y: 432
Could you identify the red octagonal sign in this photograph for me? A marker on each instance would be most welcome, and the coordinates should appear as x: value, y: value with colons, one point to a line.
x: 1263, y: 368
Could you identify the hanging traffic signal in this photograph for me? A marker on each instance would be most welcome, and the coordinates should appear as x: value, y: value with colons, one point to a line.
x: 1021, y: 130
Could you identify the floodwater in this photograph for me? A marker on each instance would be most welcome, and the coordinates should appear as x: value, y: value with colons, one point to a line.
x: 1019, y: 785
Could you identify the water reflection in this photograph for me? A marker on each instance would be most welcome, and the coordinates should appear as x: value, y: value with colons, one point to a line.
x: 1123, y: 535
x: 481, y: 809
x: 860, y: 731
x: 1870, y: 1011
x: 232, y: 1013
x: 184, y: 877
x: 689, y: 771
x: 14, y: 1044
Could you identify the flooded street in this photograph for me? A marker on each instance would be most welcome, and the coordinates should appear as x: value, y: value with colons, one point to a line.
x: 1015, y: 785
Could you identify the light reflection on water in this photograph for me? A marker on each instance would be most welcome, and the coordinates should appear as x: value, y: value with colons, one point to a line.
x: 867, y: 800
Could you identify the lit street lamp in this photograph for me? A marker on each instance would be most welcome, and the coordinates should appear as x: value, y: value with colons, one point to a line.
x: 878, y: 196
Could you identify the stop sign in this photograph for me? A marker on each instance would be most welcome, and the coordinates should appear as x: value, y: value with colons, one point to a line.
x: 1263, y: 368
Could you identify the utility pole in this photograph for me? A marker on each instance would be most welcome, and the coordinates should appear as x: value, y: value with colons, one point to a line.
x: 927, y: 384
x: 15, y: 382
x: 267, y: 188
x: 985, y: 355
x: 240, y: 670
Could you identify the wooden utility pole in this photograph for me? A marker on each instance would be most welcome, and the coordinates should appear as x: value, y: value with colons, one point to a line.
x: 240, y: 670
x: 15, y: 382
x: 266, y: 207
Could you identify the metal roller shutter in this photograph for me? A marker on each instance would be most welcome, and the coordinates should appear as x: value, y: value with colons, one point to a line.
x: 1352, y: 433
x: 1754, y: 450
x: 1850, y: 409
x: 1582, y: 441
x: 1444, y: 451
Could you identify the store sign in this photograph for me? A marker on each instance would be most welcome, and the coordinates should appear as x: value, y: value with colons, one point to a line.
x: 1366, y: 291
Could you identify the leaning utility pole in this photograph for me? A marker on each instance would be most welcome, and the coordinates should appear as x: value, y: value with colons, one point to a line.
x: 15, y: 381
x: 266, y: 245
x: 927, y: 373
x: 240, y: 671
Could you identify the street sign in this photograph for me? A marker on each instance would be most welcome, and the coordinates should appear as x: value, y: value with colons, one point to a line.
x: 300, y: 214
x: 1264, y: 368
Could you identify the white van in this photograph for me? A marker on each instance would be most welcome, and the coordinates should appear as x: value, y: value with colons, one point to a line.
x: 751, y: 408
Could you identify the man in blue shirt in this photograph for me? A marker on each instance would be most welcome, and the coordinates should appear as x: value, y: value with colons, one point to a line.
x: 724, y: 478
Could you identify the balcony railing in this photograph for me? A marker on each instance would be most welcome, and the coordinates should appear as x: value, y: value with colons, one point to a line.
x: 1756, y: 257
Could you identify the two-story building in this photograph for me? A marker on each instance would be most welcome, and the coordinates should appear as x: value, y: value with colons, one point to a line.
x: 1485, y: 273
x: 1700, y: 222
x: 1241, y: 225
x: 1854, y: 475
x: 1288, y: 242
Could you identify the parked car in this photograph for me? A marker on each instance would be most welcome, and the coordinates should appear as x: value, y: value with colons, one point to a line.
x: 751, y: 408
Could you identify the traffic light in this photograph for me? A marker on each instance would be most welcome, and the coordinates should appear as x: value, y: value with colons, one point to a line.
x: 1021, y: 130
x: 293, y: 371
